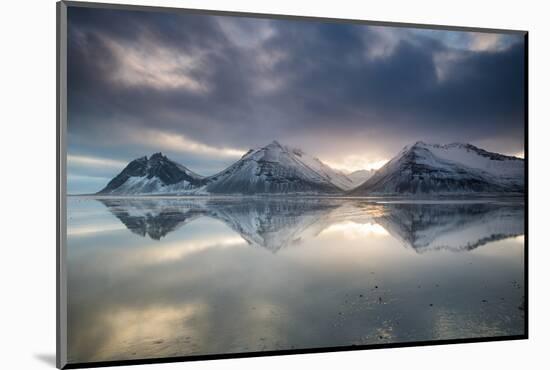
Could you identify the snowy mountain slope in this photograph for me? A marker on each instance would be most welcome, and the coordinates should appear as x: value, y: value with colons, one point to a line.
x: 336, y: 177
x: 505, y: 167
x: 443, y: 169
x: 156, y: 174
x: 273, y: 169
x: 360, y: 176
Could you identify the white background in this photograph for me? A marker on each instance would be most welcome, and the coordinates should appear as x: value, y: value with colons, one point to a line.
x: 27, y: 206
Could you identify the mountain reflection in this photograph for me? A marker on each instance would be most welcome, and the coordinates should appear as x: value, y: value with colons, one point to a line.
x: 152, y: 218
x: 275, y: 223
x: 452, y: 226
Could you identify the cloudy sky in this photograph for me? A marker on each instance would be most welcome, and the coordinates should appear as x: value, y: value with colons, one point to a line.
x: 204, y: 89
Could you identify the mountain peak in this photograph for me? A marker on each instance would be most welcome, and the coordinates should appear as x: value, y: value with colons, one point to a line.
x: 140, y: 159
x: 420, y: 143
x: 460, y: 145
x: 157, y: 156
x: 274, y: 144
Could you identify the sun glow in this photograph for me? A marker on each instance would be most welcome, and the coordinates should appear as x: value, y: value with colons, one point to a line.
x: 354, y: 230
x: 82, y: 160
x: 180, y: 143
x: 154, y: 66
x: 519, y: 154
x: 353, y: 163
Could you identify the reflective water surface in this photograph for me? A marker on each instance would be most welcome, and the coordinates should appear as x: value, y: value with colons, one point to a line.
x: 156, y: 277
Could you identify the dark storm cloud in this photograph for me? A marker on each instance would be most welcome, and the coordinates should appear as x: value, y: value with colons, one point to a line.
x: 404, y: 89
x: 140, y: 82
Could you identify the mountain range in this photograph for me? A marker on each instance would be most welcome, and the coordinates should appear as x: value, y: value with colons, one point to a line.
x: 419, y: 168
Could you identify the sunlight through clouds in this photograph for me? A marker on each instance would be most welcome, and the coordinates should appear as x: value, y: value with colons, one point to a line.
x: 81, y: 160
x: 486, y: 42
x: 519, y: 154
x: 181, y: 143
x: 352, y: 163
x: 155, y: 66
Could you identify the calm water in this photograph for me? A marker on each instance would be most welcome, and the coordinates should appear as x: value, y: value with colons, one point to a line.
x: 176, y: 277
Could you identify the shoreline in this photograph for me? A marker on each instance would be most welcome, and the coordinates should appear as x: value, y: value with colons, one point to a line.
x: 441, y: 198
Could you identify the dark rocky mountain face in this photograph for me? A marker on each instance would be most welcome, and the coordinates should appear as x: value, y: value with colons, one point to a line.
x: 482, y: 152
x: 167, y: 171
x: 157, y: 166
x: 136, y: 168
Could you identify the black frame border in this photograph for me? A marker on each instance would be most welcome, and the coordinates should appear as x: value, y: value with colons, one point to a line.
x: 61, y: 118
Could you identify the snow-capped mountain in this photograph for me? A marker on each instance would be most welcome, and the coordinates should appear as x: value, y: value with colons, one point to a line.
x: 156, y: 174
x: 278, y: 169
x: 442, y: 169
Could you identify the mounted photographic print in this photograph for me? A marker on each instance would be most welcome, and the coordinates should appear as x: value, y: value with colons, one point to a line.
x: 235, y: 184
